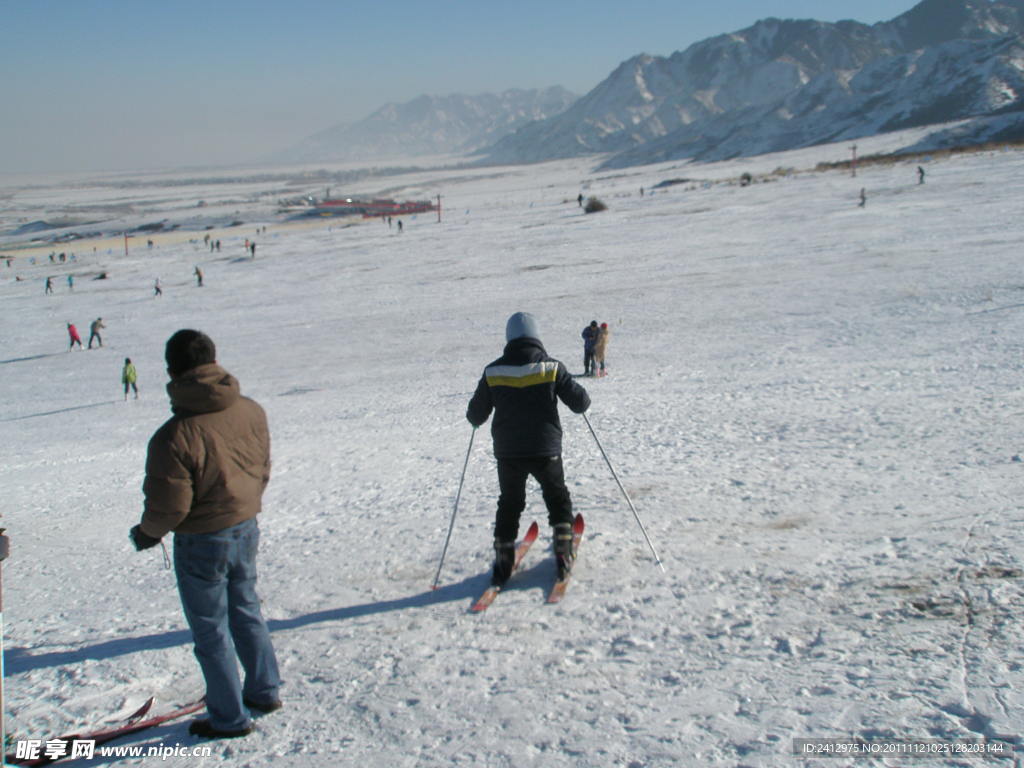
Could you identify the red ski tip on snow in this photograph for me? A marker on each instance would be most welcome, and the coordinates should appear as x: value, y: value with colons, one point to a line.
x: 524, y: 546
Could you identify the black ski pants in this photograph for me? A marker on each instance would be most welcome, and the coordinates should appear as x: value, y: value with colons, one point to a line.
x: 512, y: 474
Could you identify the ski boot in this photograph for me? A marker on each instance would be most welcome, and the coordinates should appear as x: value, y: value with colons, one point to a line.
x: 504, y: 560
x: 564, y: 555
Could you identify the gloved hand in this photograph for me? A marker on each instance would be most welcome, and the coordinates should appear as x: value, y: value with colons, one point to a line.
x: 141, y: 540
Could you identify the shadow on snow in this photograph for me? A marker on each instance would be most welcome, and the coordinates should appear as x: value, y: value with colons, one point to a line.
x: 19, y: 660
x: 31, y: 357
x: 60, y: 410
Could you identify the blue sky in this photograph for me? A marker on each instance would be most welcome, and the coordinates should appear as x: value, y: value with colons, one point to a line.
x: 124, y: 84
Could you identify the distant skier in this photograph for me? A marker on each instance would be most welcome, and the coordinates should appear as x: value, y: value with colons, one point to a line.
x: 863, y: 198
x: 600, y: 347
x: 128, y: 377
x: 49, y: 286
x: 252, y: 248
x: 579, y: 200
x: 94, y: 331
x: 589, y: 341
x: 199, y: 276
x: 75, y: 338
x: 399, y: 226
x: 920, y: 175
x: 157, y: 290
x: 522, y: 388
x: 71, y: 281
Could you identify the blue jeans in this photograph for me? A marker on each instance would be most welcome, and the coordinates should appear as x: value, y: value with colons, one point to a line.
x: 217, y: 583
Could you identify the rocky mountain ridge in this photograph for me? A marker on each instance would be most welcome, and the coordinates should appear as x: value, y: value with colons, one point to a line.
x: 783, y: 84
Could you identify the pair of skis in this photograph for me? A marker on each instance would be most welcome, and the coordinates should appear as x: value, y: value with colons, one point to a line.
x: 557, y: 591
x: 135, y: 722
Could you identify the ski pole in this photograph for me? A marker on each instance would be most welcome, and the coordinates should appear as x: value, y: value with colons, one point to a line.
x: 5, y: 547
x: 458, y: 495
x: 628, y: 500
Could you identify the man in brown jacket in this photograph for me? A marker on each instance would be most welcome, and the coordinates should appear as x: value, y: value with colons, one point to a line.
x: 206, y: 470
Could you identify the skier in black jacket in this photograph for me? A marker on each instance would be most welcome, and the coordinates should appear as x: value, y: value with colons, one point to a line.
x: 523, y: 387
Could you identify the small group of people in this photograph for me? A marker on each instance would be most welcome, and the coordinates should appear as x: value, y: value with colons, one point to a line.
x: 48, y: 289
x: 129, y: 376
x: 94, y: 334
x: 595, y: 345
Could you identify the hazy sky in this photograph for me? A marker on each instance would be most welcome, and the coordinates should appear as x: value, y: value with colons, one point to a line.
x: 125, y: 84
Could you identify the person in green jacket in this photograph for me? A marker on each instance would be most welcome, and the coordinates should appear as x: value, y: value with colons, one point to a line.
x: 128, y: 377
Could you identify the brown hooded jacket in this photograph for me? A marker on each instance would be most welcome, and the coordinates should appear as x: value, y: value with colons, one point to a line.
x: 207, y: 466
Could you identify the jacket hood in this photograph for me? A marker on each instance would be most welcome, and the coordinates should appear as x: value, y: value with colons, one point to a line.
x: 525, y: 347
x: 204, y: 389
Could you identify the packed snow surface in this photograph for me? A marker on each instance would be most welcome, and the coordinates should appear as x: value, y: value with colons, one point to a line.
x: 815, y: 408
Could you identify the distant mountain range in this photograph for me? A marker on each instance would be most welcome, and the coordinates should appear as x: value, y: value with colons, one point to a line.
x: 788, y: 84
x: 433, y: 125
x: 780, y: 84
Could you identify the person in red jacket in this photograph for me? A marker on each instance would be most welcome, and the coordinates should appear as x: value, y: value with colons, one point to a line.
x: 75, y: 338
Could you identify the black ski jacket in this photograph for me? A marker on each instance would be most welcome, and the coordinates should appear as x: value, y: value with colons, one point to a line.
x: 523, y: 387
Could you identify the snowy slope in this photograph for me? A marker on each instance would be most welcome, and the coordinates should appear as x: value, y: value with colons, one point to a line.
x: 814, y: 407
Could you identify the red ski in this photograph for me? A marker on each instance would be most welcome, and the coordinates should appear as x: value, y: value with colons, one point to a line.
x: 558, y: 591
x: 133, y: 724
x: 492, y: 591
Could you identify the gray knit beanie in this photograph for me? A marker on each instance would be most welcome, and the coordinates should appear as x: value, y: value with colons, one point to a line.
x: 522, y: 324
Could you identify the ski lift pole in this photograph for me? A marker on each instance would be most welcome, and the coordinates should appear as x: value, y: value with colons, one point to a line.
x: 628, y: 500
x: 458, y: 495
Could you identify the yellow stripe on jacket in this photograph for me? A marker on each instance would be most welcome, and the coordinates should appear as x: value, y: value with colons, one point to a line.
x: 520, y: 376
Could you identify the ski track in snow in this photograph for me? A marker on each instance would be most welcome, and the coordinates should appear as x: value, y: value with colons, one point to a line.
x: 814, y: 408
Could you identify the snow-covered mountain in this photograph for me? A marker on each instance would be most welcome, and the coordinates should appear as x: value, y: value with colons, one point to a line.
x: 784, y: 84
x: 433, y: 125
